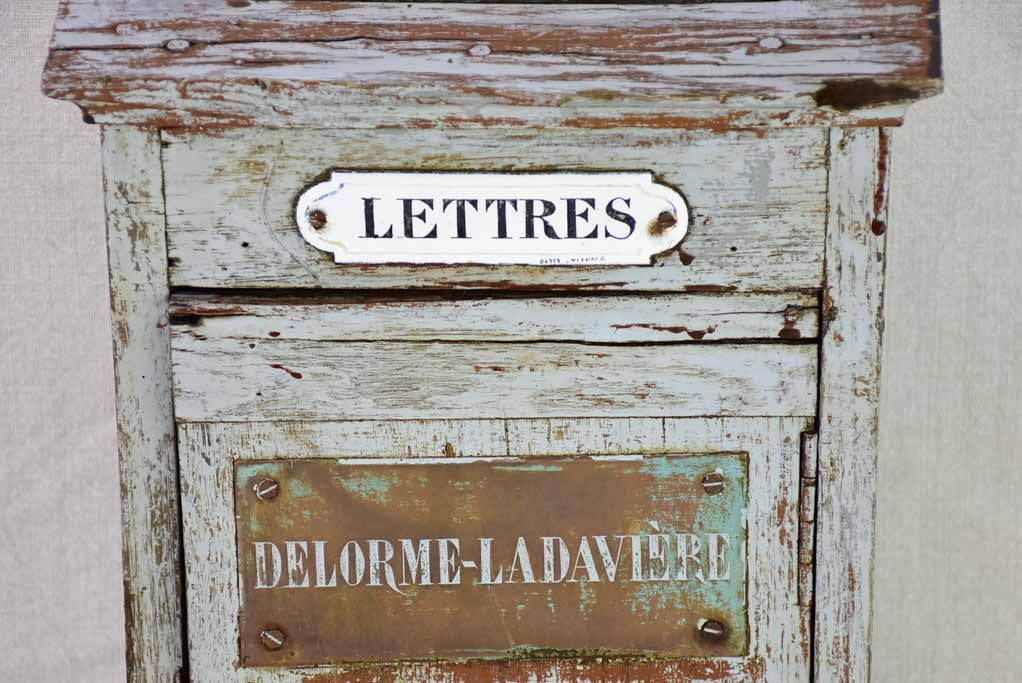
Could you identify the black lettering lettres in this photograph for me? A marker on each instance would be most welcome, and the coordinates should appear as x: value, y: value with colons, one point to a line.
x: 459, y: 212
x: 531, y: 217
x: 574, y: 214
x: 370, y: 219
x: 502, y: 205
x: 410, y: 217
x: 621, y: 217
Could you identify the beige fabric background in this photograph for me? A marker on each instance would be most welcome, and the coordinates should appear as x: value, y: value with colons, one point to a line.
x: 950, y: 546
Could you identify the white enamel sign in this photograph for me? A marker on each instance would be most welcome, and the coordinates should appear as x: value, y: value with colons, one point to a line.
x: 545, y: 219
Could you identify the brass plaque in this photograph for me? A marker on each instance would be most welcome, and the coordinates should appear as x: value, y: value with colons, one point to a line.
x: 370, y: 560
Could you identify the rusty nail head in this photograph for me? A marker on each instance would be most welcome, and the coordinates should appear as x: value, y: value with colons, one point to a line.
x: 272, y: 638
x: 266, y: 489
x: 712, y: 630
x: 177, y: 45
x: 666, y: 219
x: 713, y: 483
x: 317, y: 219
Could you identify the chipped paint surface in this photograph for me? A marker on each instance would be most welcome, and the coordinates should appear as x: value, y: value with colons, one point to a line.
x: 613, y: 319
x: 526, y: 558
x: 446, y: 65
x: 757, y: 206
x: 849, y: 404
x: 227, y: 379
x: 139, y: 295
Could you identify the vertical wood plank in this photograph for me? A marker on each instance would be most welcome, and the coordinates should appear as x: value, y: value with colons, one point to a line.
x: 212, y: 566
x: 145, y: 423
x: 849, y: 401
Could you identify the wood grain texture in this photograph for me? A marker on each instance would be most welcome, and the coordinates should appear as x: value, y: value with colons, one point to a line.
x: 139, y: 296
x: 624, y: 319
x: 373, y: 64
x: 283, y: 378
x: 778, y: 646
x: 758, y: 204
x: 849, y: 402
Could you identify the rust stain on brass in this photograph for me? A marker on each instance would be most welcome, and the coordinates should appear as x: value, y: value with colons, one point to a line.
x: 503, y: 558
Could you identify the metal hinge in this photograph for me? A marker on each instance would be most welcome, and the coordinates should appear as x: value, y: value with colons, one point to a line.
x: 807, y: 519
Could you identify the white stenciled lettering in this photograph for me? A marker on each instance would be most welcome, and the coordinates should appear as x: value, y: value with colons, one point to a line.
x: 450, y: 571
x: 262, y: 581
x: 688, y: 549
x: 319, y: 551
x: 659, y: 565
x: 486, y: 576
x: 654, y: 557
x: 636, y: 556
x: 297, y: 574
x: 551, y: 562
x: 380, y: 554
x: 718, y: 547
x: 610, y: 563
x: 415, y: 561
x: 353, y: 563
x: 584, y: 560
x: 522, y: 563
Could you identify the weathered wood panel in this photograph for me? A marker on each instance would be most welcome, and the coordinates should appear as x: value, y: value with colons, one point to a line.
x: 370, y: 64
x: 849, y: 403
x: 758, y: 205
x: 778, y: 647
x: 153, y: 597
x: 604, y: 319
x: 359, y: 438
x: 224, y: 379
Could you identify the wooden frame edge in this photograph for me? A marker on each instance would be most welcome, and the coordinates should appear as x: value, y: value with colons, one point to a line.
x: 849, y: 403
x: 210, y: 71
x: 139, y: 297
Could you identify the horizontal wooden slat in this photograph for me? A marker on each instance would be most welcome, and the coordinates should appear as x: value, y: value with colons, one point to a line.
x: 295, y: 379
x: 529, y: 437
x: 605, y: 319
x: 372, y: 64
x: 757, y: 202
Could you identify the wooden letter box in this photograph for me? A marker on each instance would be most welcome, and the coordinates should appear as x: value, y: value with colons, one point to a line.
x: 497, y: 342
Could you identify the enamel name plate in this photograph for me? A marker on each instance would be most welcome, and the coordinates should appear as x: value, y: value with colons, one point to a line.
x: 543, y: 219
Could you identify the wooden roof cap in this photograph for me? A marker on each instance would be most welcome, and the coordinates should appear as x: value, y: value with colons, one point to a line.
x: 202, y: 63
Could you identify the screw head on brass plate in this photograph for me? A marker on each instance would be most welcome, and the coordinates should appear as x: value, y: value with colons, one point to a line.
x: 712, y: 630
x: 713, y: 483
x: 272, y: 638
x: 266, y: 489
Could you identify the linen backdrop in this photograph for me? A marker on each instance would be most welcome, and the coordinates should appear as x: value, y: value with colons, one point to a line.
x: 949, y: 557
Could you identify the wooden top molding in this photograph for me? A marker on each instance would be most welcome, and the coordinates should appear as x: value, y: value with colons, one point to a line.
x: 289, y: 63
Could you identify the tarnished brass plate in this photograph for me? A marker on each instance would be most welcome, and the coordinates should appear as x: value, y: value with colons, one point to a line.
x: 370, y: 560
